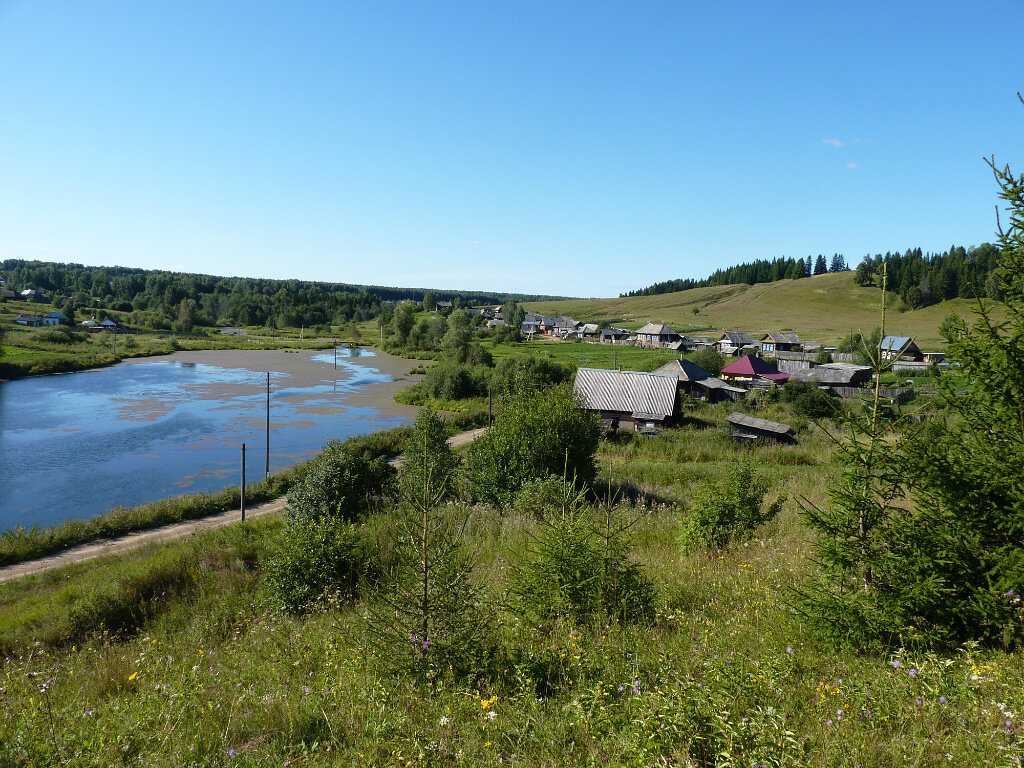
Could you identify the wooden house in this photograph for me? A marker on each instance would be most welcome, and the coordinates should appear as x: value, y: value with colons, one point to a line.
x: 627, y: 399
x: 697, y: 383
x: 771, y: 343
x: 731, y: 344
x: 901, y: 348
x: 749, y: 428
x: 754, y: 373
x: 656, y: 335
x: 55, y: 318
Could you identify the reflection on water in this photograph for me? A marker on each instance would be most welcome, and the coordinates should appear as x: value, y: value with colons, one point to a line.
x: 79, y: 444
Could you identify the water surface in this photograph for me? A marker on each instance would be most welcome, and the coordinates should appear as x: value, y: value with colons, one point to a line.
x: 79, y: 444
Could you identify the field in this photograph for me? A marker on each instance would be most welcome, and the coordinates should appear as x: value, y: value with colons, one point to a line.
x: 179, y: 656
x: 823, y: 308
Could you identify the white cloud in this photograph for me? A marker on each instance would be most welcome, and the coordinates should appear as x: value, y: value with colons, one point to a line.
x: 834, y: 142
x: 851, y: 165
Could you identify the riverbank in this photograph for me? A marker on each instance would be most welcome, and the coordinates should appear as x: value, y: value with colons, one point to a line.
x: 308, y: 372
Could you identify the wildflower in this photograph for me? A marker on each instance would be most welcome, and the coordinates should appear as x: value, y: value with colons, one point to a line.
x: 789, y: 649
x: 919, y: 703
x: 231, y: 753
x: 912, y: 672
x: 896, y: 663
x: 444, y: 720
x: 133, y: 675
x: 942, y: 699
x: 305, y: 689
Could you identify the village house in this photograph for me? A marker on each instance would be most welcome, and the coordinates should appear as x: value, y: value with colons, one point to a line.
x: 697, y: 383
x: 588, y: 331
x: 37, y: 296
x: 529, y: 327
x: 771, y: 343
x: 565, y: 326
x: 754, y: 373
x: 55, y: 318
x: 656, y: 335
x: 9, y: 296
x: 732, y: 344
x: 31, y: 320
x: 693, y: 343
x: 752, y: 429
x: 613, y: 335
x: 443, y: 306
x: 901, y: 348
x: 834, y: 376
x: 627, y: 399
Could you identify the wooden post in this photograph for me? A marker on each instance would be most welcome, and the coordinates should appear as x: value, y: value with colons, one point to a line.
x: 243, y: 482
x: 488, y: 406
x: 267, y: 468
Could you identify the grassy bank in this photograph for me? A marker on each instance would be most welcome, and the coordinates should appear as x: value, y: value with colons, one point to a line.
x: 178, y: 656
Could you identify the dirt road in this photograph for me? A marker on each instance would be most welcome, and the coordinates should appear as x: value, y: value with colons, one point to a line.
x: 168, y: 533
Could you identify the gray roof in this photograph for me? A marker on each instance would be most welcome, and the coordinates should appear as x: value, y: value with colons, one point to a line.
x: 782, y: 338
x: 836, y: 374
x: 737, y: 339
x: 646, y: 395
x: 698, y: 339
x: 683, y: 370
x: 712, y: 383
x: 589, y: 328
x: 761, y: 425
x: 657, y: 329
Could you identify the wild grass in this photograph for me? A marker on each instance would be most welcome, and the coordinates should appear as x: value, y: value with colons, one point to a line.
x: 202, y: 670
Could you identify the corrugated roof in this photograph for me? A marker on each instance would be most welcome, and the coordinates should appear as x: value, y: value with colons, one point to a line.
x: 737, y: 339
x: 634, y: 392
x: 657, y: 329
x: 782, y: 338
x: 838, y: 374
x: 761, y: 425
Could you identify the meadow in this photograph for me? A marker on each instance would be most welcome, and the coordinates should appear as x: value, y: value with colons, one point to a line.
x: 179, y: 655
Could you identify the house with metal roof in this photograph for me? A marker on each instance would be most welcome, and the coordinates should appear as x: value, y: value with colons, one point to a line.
x: 565, y: 326
x: 614, y: 335
x: 55, y: 318
x: 656, y: 335
x: 753, y: 372
x: 734, y: 343
x: 691, y: 343
x: 901, y: 348
x: 588, y: 331
x: 834, y: 375
x: 30, y: 320
x: 698, y: 383
x: 627, y: 399
x: 774, y: 342
x: 749, y: 428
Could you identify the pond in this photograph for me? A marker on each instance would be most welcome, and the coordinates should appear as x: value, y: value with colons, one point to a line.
x: 79, y: 444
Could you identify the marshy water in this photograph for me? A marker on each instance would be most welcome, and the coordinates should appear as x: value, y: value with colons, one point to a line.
x: 75, y: 445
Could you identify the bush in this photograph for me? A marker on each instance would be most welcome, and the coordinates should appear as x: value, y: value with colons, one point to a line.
x: 528, y: 373
x: 709, y: 359
x: 454, y: 381
x: 539, y: 435
x: 728, y: 511
x: 318, y: 558
x: 339, y: 483
x: 809, y: 401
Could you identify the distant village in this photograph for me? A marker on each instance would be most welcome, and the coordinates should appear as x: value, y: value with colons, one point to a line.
x: 644, y: 401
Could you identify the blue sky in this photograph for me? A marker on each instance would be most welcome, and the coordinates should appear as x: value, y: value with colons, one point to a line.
x: 576, y: 148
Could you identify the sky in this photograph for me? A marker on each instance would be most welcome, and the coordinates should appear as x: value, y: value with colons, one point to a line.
x: 579, y: 149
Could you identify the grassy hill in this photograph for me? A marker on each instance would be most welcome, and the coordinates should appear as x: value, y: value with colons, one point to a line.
x: 824, y: 308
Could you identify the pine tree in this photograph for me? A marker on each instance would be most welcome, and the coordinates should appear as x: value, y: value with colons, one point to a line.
x: 820, y: 266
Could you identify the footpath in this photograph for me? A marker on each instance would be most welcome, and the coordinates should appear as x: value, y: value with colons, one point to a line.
x: 167, y: 533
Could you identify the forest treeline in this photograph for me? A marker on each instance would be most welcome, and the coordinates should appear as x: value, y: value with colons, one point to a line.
x: 180, y: 301
x: 920, y: 278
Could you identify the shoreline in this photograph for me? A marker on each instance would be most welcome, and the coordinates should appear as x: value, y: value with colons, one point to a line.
x: 298, y: 363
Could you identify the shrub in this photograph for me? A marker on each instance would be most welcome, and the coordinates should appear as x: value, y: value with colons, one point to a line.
x: 454, y: 381
x: 729, y: 510
x: 317, y: 558
x: 539, y: 435
x: 527, y: 373
x: 808, y: 400
x: 339, y: 483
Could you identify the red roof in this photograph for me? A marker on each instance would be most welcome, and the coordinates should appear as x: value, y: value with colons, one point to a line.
x: 751, y: 365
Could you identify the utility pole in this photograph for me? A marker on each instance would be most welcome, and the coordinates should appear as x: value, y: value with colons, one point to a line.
x: 267, y: 468
x: 335, y: 354
x: 243, y: 483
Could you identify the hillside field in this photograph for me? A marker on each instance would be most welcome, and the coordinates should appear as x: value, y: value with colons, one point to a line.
x: 823, y: 308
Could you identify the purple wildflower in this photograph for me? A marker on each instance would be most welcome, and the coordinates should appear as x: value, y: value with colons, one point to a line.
x: 231, y: 753
x: 942, y: 699
x: 912, y: 672
x: 896, y: 663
